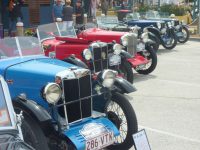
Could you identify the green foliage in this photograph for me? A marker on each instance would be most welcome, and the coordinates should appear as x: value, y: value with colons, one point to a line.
x: 175, y: 9
x: 143, y: 8
x: 167, y: 8
x: 30, y: 32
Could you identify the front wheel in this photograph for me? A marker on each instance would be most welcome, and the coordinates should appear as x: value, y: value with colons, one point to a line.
x: 185, y: 35
x: 127, y: 71
x: 169, y: 41
x: 121, y: 113
x: 32, y: 132
x: 151, y: 56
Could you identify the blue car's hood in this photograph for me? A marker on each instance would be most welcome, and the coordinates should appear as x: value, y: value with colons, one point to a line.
x: 145, y: 21
x: 163, y: 19
x: 30, y: 75
x: 36, y: 65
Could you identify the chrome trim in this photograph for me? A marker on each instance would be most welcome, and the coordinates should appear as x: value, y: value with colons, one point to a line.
x: 64, y: 104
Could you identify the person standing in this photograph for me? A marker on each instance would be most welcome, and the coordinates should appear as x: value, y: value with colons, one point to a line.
x: 104, y: 6
x: 15, y: 14
x: 79, y: 12
x: 93, y: 8
x: 67, y: 13
x: 57, y: 10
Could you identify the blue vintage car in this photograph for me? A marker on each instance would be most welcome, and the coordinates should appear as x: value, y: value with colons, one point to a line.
x: 134, y: 19
x: 64, y: 106
x: 181, y: 28
x: 10, y: 123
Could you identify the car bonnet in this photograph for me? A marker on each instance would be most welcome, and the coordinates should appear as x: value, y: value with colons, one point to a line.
x: 35, y: 65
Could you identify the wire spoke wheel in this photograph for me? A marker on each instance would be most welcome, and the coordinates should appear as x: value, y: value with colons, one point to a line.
x: 184, y: 35
x: 121, y: 113
x: 119, y: 119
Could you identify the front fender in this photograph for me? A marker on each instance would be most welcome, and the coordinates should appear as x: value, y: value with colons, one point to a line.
x: 124, y: 54
x: 32, y: 108
x: 123, y: 86
x: 76, y: 61
x: 38, y: 113
x: 154, y: 31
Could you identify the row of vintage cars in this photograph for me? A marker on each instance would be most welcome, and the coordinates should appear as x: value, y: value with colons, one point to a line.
x: 69, y: 84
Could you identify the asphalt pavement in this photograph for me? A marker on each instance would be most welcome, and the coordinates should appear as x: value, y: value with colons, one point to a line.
x: 167, y: 102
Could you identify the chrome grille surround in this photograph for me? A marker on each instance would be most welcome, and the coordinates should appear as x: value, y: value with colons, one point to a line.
x: 132, y: 44
x: 76, y: 102
x: 99, y: 56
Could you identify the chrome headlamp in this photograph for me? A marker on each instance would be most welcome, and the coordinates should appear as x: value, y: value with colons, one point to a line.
x: 145, y: 30
x: 124, y: 40
x: 87, y: 54
x: 158, y: 25
x: 145, y: 36
x: 173, y: 23
x: 52, y: 93
x: 108, y: 77
x: 169, y: 24
x: 117, y: 49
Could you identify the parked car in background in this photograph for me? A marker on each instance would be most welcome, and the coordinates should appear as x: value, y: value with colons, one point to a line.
x: 11, y: 137
x: 112, y: 23
x: 165, y: 32
x: 64, y: 106
x: 181, y: 29
x: 61, y: 43
x: 134, y: 18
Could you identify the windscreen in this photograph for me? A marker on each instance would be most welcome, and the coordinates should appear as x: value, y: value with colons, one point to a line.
x: 152, y: 15
x: 49, y: 31
x: 156, y: 15
x: 19, y: 47
x: 132, y: 16
x: 30, y: 46
x: 8, y: 48
x: 107, y: 20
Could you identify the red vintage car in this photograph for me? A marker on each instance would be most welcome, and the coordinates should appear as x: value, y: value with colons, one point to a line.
x: 64, y: 43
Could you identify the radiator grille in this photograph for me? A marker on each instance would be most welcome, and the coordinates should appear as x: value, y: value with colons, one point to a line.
x: 77, y: 93
x: 100, y: 57
x: 132, y: 44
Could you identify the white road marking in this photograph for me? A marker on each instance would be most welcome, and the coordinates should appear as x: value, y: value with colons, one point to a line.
x: 170, y: 134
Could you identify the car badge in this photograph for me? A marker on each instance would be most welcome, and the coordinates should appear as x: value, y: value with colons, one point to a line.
x: 91, y: 130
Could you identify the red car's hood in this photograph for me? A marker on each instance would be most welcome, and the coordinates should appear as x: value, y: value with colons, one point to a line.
x: 73, y: 40
x: 95, y: 34
x: 51, y: 42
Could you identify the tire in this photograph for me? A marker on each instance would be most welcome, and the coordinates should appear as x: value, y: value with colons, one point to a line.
x: 126, y: 69
x: 151, y: 55
x: 32, y: 132
x: 173, y: 36
x: 129, y: 115
x: 184, y: 40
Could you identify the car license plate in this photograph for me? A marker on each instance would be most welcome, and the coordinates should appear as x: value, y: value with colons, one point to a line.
x: 100, y: 142
x: 114, y: 60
